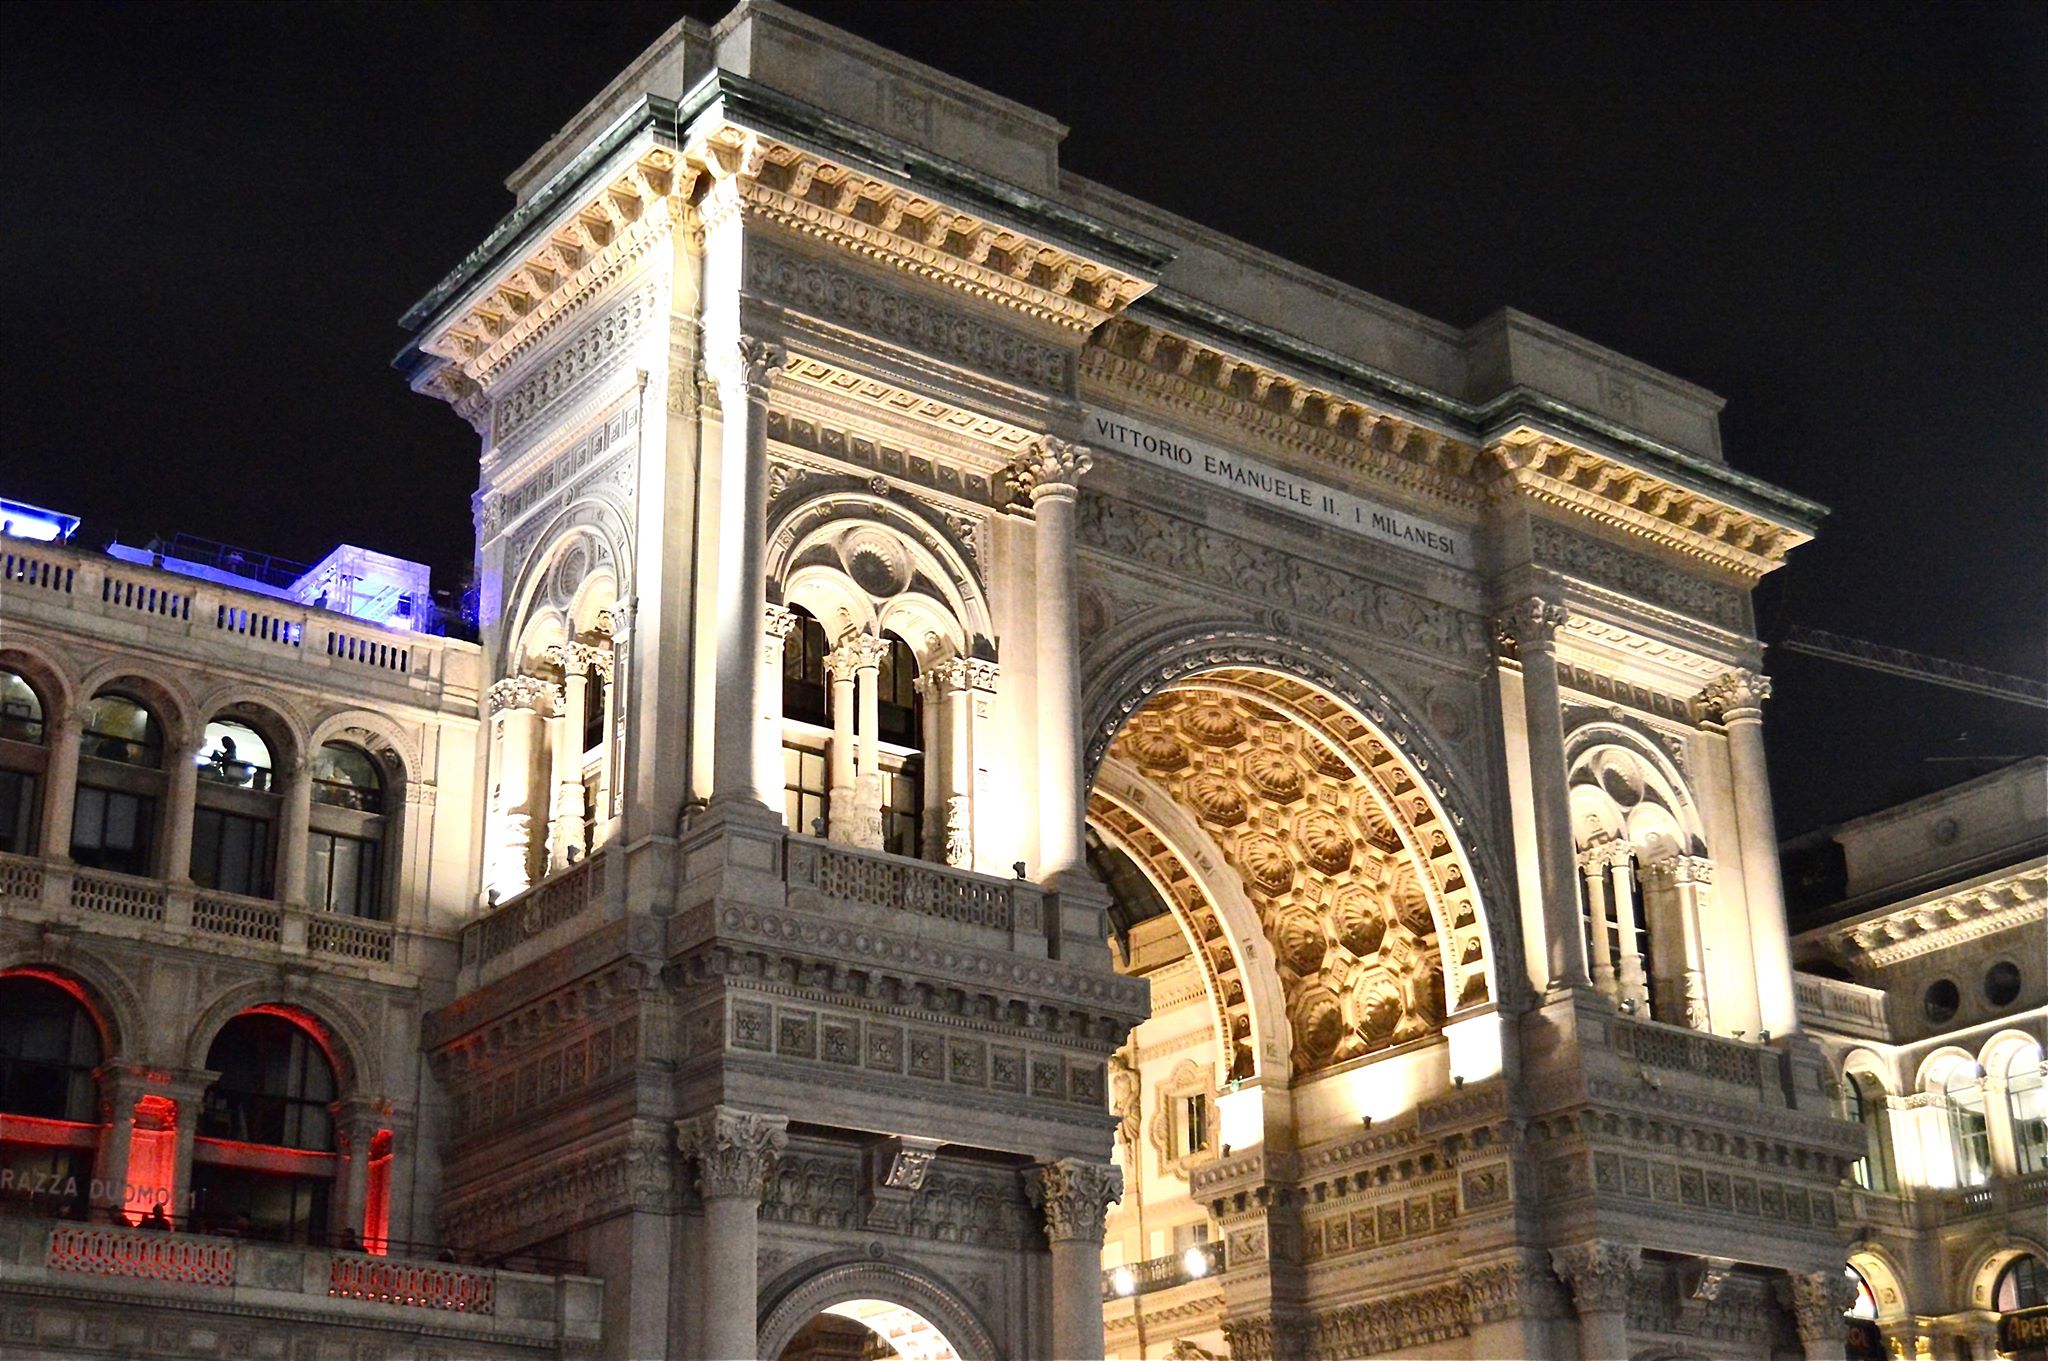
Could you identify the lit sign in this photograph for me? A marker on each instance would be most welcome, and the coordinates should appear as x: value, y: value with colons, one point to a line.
x: 1306, y: 497
x: 2024, y: 1331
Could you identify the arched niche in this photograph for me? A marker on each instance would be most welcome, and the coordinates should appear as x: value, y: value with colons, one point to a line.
x: 1625, y: 788
x: 860, y: 560
x: 552, y: 594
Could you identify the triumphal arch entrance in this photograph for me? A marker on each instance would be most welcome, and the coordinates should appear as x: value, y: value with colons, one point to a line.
x: 1059, y: 786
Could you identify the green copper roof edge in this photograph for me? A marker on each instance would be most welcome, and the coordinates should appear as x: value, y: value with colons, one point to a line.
x: 1476, y: 421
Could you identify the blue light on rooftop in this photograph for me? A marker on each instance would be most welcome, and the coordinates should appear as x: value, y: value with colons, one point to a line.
x: 20, y: 520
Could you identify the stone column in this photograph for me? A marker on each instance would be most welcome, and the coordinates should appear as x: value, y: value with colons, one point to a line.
x: 295, y: 837
x: 1050, y: 474
x: 1593, y: 867
x: 743, y: 374
x: 1601, y: 1275
x: 1629, y: 979
x: 867, y: 776
x: 1076, y: 1197
x: 1817, y: 1301
x: 60, y: 784
x: 840, y: 664
x: 1528, y: 631
x: 565, y: 758
x: 358, y: 1122
x: 776, y: 622
x: 602, y: 659
x: 1680, y: 882
x: 956, y: 838
x: 937, y: 740
x: 1737, y: 698
x: 515, y: 706
x: 734, y: 1151
x: 184, y: 804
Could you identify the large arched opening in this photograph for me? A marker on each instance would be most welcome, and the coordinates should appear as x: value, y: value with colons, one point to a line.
x: 870, y: 1311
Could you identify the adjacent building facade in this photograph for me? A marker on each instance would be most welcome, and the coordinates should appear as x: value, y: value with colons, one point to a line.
x: 1035, y: 782
x: 1925, y: 977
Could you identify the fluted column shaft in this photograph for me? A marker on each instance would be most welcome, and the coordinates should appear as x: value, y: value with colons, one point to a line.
x: 1050, y: 475
x: 743, y: 377
x: 1738, y: 697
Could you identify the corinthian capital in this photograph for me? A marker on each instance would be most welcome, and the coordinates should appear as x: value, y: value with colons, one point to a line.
x: 733, y: 1149
x: 1051, y: 467
x: 1817, y: 1300
x: 1736, y: 694
x: 1075, y: 1197
x: 1601, y: 1274
x: 1532, y: 622
x: 521, y: 692
x: 745, y: 369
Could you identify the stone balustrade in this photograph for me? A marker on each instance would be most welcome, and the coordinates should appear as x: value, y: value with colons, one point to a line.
x: 1850, y: 1008
x: 574, y: 895
x: 38, y: 890
x: 62, y: 587
x: 979, y: 905
x: 475, y: 1310
x: 1203, y: 1261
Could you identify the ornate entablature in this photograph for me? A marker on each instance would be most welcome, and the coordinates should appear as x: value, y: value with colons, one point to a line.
x: 1941, y: 921
x: 1640, y: 503
x: 1637, y: 576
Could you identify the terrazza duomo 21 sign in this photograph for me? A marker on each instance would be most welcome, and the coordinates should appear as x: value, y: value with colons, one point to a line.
x: 1304, y: 496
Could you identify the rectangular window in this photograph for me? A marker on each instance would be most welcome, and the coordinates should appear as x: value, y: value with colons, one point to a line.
x: 803, y: 790
x: 231, y: 853
x: 17, y: 812
x: 902, y: 808
x: 1191, y: 1125
x: 111, y: 830
x: 341, y: 875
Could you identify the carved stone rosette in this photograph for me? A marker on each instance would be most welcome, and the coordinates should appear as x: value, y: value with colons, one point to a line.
x: 734, y: 1150
x: 1051, y: 467
x: 1075, y: 1196
x: 1736, y: 694
x: 1532, y: 622
x: 1601, y: 1274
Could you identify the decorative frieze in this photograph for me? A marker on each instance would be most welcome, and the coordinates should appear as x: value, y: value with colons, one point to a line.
x: 1396, y: 1323
x: 1260, y: 574
x: 1636, y: 574
x: 595, y: 350
x: 495, y: 1212
x: 854, y: 300
x: 506, y: 503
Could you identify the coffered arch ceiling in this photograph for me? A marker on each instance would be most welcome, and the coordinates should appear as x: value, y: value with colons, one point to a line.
x: 1365, y: 900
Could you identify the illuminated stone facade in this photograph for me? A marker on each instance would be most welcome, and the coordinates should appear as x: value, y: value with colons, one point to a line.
x: 887, y: 539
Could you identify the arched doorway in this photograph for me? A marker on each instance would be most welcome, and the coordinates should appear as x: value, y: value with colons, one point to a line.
x: 870, y: 1311
x: 869, y: 1330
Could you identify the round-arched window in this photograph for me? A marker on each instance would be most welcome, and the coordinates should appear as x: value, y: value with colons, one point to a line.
x: 276, y: 1090
x: 234, y: 754
x: 345, y: 776
x: 2022, y: 1285
x: 49, y: 1047
x: 2026, y: 1100
x: 21, y: 710
x: 1964, y: 1091
x: 118, y: 728
x: 1942, y: 1000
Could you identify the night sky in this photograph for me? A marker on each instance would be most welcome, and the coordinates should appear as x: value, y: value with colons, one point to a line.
x: 1833, y: 217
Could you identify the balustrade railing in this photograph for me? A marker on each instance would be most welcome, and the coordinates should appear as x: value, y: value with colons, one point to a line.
x: 1199, y: 1262
x: 416, y: 1285
x: 118, y: 895
x: 1678, y: 1050
x: 540, y: 909
x: 182, y: 1259
x: 241, y: 918
x: 1833, y: 1003
x: 876, y: 878
x: 350, y: 937
x: 43, y: 576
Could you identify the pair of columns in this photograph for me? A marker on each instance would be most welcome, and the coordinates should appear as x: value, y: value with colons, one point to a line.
x: 1665, y: 897
x: 580, y: 663
x: 855, y: 667
x: 1612, y: 909
x: 530, y: 716
x: 1527, y: 633
x: 734, y: 1151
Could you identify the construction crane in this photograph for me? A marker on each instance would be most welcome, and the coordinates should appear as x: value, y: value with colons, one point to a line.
x: 1896, y: 661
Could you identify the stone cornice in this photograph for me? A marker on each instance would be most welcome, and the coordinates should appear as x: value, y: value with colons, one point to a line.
x: 1940, y: 921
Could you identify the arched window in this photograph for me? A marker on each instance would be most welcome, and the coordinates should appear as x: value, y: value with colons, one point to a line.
x: 1864, y: 1306
x: 806, y: 696
x: 1964, y: 1094
x: 2022, y: 1285
x: 1863, y: 1100
x: 2026, y: 1102
x: 901, y: 718
x: 120, y: 781
x: 49, y: 1050
x: 22, y: 732
x: 234, y: 825
x: 345, y: 844
x: 263, y: 1161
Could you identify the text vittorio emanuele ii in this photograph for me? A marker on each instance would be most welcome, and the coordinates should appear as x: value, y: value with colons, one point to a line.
x: 1288, y: 491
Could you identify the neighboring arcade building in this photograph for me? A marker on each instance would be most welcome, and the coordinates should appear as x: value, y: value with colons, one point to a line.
x: 1036, y: 781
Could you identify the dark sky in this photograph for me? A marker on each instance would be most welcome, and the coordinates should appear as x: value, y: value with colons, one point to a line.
x: 1833, y: 217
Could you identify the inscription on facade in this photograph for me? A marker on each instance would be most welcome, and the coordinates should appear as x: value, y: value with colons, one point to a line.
x: 1307, y: 497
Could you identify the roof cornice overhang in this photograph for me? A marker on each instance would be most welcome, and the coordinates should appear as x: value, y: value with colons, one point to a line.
x: 882, y: 196
x: 1539, y: 446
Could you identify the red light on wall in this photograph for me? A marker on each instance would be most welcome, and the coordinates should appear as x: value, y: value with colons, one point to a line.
x: 153, y: 1157
x: 377, y: 1196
